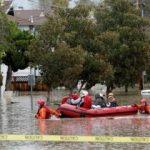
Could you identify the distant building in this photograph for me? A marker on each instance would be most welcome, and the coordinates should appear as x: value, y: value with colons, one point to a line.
x: 21, y: 77
x: 29, y: 19
x: 26, y: 20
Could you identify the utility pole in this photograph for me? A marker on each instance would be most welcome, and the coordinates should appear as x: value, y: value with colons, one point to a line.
x: 31, y: 83
x: 140, y: 5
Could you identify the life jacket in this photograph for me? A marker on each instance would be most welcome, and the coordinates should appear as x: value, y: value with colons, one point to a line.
x: 64, y: 99
x: 87, y: 102
x: 43, y: 113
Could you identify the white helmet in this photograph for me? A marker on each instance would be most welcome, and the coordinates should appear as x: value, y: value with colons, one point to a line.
x: 83, y: 93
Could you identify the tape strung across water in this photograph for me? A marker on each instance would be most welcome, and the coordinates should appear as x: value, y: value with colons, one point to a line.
x: 74, y: 138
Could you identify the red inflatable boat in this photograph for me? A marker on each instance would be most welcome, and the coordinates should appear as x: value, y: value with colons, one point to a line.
x: 76, y: 112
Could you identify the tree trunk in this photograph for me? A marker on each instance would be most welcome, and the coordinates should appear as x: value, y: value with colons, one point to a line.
x: 141, y: 82
x: 1, y: 79
x: 8, y: 79
x: 82, y: 84
x: 48, y: 96
x: 126, y: 89
x: 110, y: 88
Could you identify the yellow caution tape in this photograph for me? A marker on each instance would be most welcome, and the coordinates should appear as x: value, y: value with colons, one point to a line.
x: 74, y: 138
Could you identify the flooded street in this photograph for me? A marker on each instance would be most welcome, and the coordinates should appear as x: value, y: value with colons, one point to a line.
x: 100, y: 59
x: 17, y: 118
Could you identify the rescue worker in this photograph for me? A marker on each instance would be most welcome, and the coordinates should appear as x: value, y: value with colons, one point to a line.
x: 142, y: 106
x: 44, y: 112
x: 112, y: 102
x: 84, y: 100
x: 66, y: 99
x: 87, y: 100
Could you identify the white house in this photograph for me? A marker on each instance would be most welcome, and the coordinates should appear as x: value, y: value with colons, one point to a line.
x: 29, y: 19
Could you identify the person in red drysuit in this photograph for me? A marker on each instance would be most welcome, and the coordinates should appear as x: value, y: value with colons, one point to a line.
x: 84, y: 100
x: 44, y: 112
x: 72, y: 96
x: 87, y: 102
x: 142, y: 106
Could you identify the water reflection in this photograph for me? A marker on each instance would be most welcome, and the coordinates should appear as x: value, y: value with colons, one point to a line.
x: 17, y: 118
x: 126, y: 126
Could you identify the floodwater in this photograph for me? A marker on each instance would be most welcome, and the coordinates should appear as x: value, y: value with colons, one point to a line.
x: 17, y: 118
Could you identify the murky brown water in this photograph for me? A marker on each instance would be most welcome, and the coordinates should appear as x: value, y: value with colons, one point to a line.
x: 17, y: 118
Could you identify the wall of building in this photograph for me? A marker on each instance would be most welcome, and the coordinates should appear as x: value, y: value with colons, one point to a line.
x: 23, y: 28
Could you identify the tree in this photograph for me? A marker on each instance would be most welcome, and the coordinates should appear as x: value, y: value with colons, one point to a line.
x: 47, y: 39
x: 59, y: 63
x: 128, y: 57
x: 105, y: 43
x: 80, y: 29
x: 96, y: 70
x: 4, y: 32
x: 62, y: 67
x: 15, y: 56
x: 85, y: 2
x: 60, y: 3
x: 109, y: 41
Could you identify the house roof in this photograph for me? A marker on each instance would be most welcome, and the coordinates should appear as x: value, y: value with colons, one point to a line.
x: 24, y: 72
x: 29, y: 17
x: 12, y: 18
